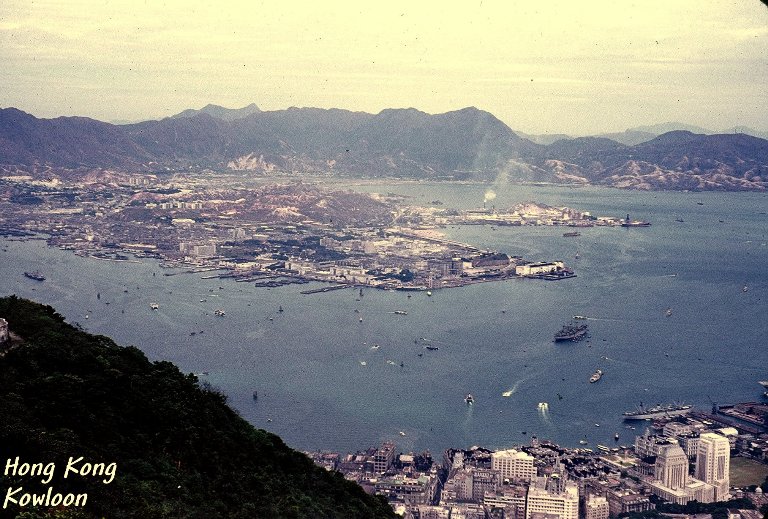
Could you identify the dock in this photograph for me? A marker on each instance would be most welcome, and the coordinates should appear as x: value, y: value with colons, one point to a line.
x: 325, y: 289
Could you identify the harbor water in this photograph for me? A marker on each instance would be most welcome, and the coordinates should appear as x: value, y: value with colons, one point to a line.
x: 676, y: 313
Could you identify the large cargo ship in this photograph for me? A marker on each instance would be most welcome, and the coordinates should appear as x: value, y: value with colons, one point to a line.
x: 634, y: 223
x: 657, y: 411
x: 571, y: 333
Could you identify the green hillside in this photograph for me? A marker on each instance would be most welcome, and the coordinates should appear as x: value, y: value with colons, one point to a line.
x: 175, y: 448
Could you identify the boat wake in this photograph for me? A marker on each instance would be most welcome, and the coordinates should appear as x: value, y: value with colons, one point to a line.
x: 543, y: 408
x: 511, y: 391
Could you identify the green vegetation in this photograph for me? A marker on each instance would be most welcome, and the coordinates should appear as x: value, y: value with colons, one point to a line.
x: 719, y: 510
x: 746, y: 472
x: 180, y: 451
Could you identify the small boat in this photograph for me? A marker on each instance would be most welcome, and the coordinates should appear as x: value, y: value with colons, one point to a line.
x: 668, y: 312
x: 543, y: 406
x: 432, y: 348
x: 580, y: 317
x: 363, y: 363
x: 255, y: 395
x: 506, y: 394
x: 400, y: 312
x: 154, y: 306
x: 469, y: 399
x: 616, y: 437
x: 429, y: 292
x: 583, y: 442
x: 219, y: 312
x: 36, y: 275
x: 744, y: 288
x: 595, y: 376
x: 280, y: 309
x: 402, y: 433
x: 571, y: 234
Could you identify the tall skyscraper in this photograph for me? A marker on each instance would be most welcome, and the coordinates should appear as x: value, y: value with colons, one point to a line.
x: 672, y: 467
x: 713, y: 463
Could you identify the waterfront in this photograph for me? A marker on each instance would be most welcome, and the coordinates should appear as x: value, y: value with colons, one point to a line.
x: 493, y: 338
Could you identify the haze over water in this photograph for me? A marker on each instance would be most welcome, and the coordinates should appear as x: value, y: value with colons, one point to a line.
x: 306, y: 362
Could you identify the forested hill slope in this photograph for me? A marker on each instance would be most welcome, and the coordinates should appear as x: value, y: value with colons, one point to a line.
x: 169, y: 447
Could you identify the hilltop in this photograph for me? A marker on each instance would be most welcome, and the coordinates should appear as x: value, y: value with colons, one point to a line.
x: 466, y: 144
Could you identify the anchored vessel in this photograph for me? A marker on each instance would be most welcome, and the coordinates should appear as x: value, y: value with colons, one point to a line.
x: 36, y: 275
x: 571, y: 333
x: 657, y: 411
x: 634, y: 223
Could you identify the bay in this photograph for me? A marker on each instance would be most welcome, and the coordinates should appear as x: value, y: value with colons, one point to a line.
x: 306, y: 362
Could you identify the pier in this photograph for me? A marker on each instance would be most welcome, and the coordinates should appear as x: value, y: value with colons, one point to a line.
x: 325, y: 289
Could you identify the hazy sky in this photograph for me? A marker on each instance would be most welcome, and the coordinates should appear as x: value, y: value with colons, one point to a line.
x: 540, y: 66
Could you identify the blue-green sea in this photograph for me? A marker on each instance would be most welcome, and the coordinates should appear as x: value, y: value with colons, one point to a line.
x: 307, y: 362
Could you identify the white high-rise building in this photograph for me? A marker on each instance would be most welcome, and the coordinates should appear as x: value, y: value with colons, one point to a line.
x: 672, y: 467
x: 513, y: 464
x: 544, y: 500
x: 713, y: 463
x: 596, y: 507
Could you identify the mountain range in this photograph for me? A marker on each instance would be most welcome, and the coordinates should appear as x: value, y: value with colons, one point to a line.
x: 466, y: 144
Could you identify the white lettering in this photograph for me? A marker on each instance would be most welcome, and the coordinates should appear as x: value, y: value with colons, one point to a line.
x: 9, y: 466
x: 70, y: 468
x: 9, y: 495
x: 110, y: 471
x: 47, y: 499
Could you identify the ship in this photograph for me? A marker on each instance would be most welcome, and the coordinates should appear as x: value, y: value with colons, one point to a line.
x: 657, y: 411
x: 571, y: 333
x: 596, y: 376
x: 634, y: 223
x: 36, y: 275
